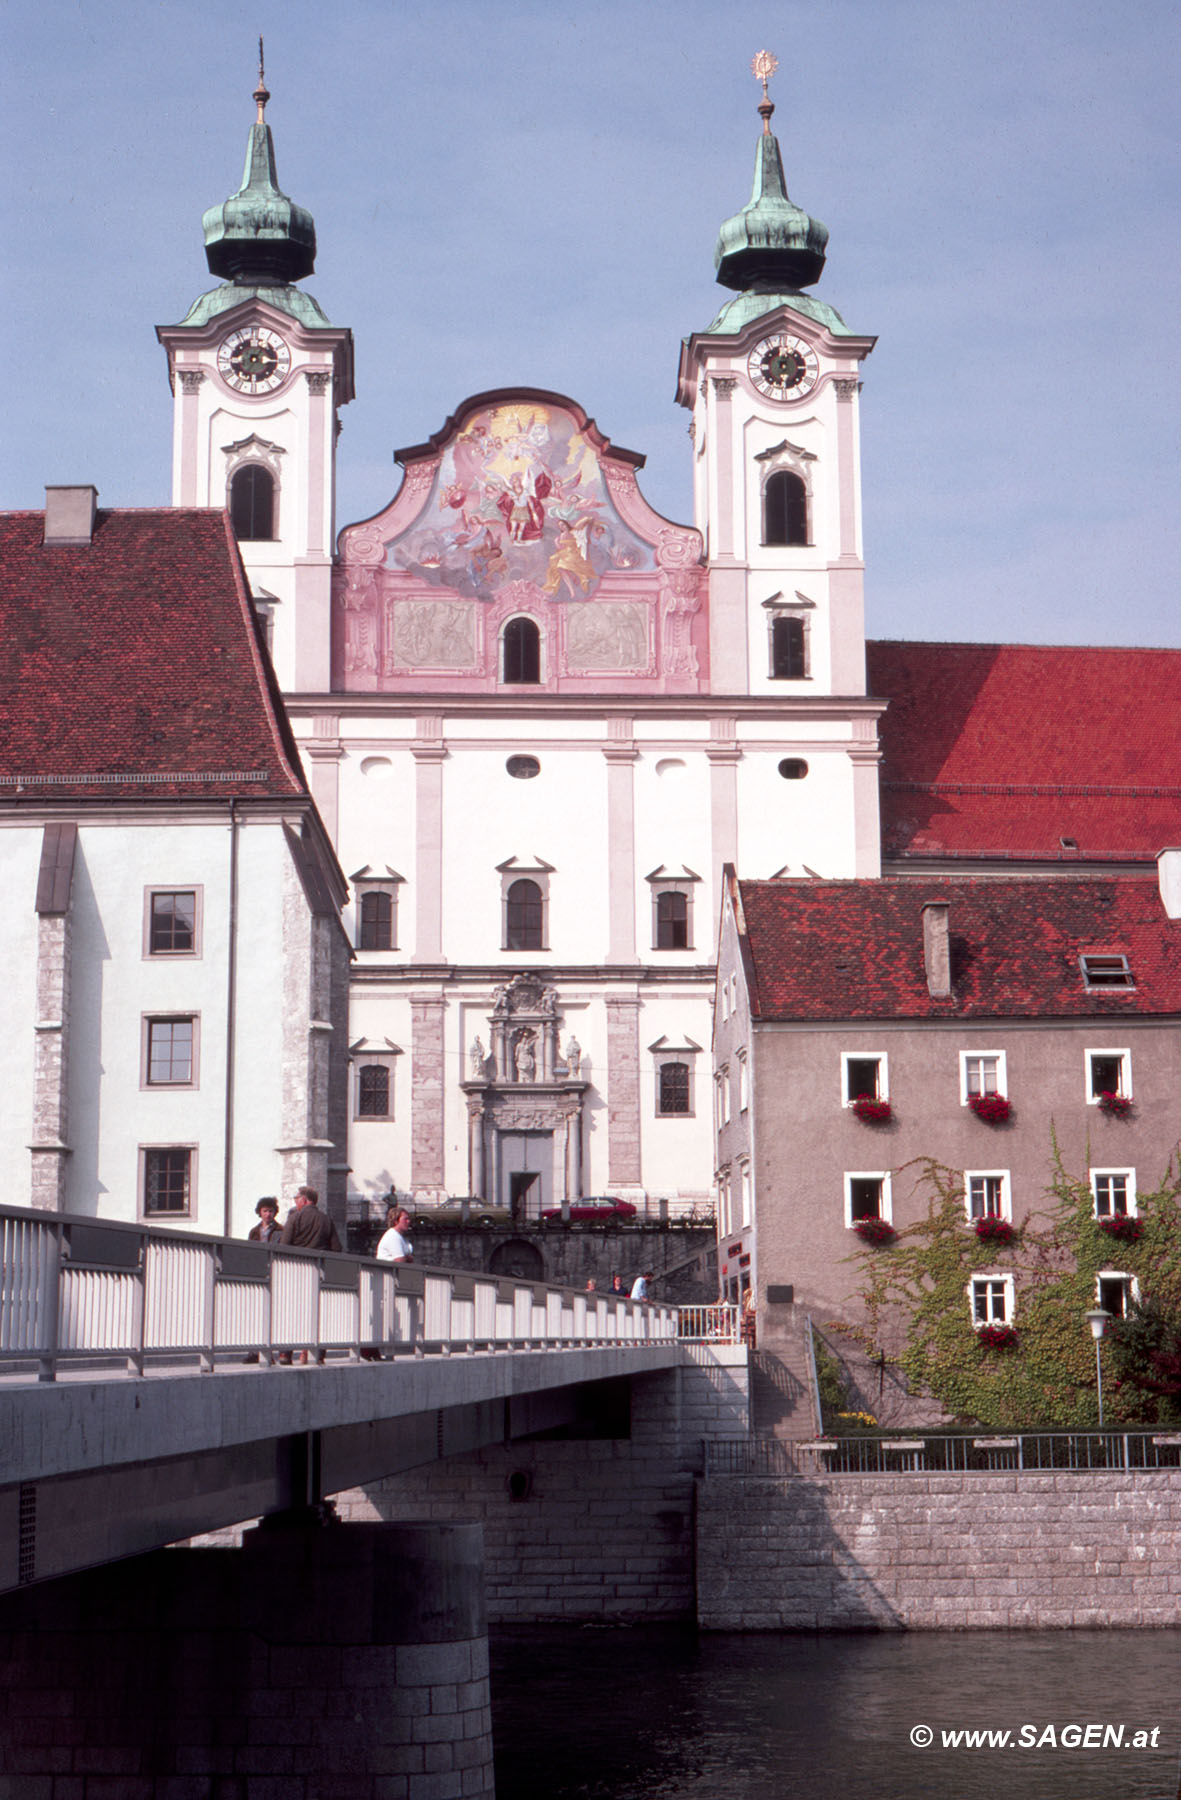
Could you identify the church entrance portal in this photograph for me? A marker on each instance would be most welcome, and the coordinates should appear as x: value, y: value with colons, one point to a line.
x: 526, y: 1171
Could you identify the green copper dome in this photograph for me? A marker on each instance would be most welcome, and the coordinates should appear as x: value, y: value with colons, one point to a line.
x: 258, y: 234
x: 771, y: 241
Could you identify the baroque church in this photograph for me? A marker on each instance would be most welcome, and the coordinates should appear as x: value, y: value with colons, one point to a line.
x: 539, y: 719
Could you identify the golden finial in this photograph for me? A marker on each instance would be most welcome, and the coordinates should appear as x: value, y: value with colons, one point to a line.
x: 260, y: 93
x: 762, y: 67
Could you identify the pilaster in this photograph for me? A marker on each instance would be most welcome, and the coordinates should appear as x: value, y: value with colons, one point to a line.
x: 427, y: 1097
x: 623, y: 1091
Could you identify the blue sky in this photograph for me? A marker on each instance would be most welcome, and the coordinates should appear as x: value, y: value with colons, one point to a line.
x: 522, y: 193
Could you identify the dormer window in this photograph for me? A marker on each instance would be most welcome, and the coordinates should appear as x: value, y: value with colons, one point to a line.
x: 1106, y: 972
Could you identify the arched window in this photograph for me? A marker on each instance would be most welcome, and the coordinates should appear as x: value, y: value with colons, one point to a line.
x: 524, y: 917
x: 785, y: 509
x: 674, y: 1087
x: 672, y: 921
x: 788, y: 654
x: 373, y: 1091
x: 522, y: 652
x: 252, y: 503
x: 377, y: 921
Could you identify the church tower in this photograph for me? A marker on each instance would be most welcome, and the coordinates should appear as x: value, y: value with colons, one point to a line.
x: 773, y: 387
x: 258, y: 375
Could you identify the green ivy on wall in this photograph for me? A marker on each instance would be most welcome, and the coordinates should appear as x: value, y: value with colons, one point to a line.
x: 916, y: 1295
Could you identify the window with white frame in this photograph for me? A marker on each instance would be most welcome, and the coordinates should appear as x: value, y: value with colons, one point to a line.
x: 986, y: 1194
x: 1108, y: 1072
x: 982, y: 1072
x: 1116, y: 1292
x: 991, y: 1298
x: 747, y: 1198
x: 743, y: 1082
x: 1114, y: 1192
x: 169, y: 1051
x: 724, y: 1085
x: 864, y: 1076
x: 167, y: 1181
x: 868, y: 1196
x: 372, y: 1066
x: 172, y: 921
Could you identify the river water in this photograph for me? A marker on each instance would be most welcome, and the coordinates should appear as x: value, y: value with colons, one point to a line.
x: 657, y: 1714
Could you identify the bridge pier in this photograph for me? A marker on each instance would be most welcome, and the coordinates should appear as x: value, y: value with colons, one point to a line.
x: 319, y: 1662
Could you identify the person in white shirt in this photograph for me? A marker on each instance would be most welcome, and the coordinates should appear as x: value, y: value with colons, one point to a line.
x: 640, y: 1286
x: 393, y: 1245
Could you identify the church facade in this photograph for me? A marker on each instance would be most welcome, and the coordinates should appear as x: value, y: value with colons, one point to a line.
x: 538, y: 718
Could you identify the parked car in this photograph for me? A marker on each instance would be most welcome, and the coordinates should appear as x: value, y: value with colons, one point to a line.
x: 594, y: 1209
x: 468, y: 1210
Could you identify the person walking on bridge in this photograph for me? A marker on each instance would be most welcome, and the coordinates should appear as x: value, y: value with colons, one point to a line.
x: 306, y: 1227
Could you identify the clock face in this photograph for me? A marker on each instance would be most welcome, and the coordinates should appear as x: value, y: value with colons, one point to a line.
x: 254, y: 360
x: 783, y: 367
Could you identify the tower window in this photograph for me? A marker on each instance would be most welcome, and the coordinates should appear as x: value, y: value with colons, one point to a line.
x: 521, y: 653
x: 789, y: 660
x: 252, y: 503
x: 785, y: 509
x: 672, y: 920
x: 524, y: 917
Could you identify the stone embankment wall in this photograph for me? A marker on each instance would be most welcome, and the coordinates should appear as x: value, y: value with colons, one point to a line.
x: 684, y: 1257
x: 915, y: 1551
x: 588, y: 1529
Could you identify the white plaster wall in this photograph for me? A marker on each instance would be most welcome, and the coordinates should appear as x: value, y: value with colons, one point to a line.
x: 264, y: 870
x: 376, y: 829
x: 20, y: 859
x: 673, y: 830
x: 113, y: 984
x: 796, y: 823
x: 558, y: 817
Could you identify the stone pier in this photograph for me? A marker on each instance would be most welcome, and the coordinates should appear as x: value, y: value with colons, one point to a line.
x: 317, y: 1662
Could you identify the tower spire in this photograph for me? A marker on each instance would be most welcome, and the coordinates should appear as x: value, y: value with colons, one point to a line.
x: 260, y: 93
x: 771, y: 243
x: 258, y: 235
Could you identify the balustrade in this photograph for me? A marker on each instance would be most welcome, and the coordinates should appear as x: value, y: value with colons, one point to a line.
x: 74, y: 1289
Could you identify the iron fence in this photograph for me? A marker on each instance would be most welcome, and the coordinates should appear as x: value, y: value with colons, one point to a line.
x: 980, y: 1453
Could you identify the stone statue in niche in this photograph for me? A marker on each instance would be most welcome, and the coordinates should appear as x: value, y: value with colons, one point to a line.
x: 477, y: 1056
x: 525, y: 1057
x: 573, y: 1055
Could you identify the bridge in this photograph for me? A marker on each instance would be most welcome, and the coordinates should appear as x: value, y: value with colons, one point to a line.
x: 142, y: 1399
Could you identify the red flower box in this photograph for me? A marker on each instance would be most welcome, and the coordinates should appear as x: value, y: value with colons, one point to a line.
x: 871, y: 1111
x: 994, y: 1109
x: 1122, y: 1226
x: 1116, y: 1105
x: 874, y: 1231
x: 997, y: 1337
x: 994, y: 1230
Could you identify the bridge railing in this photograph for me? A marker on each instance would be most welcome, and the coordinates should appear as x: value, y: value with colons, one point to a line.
x: 948, y: 1453
x: 75, y: 1289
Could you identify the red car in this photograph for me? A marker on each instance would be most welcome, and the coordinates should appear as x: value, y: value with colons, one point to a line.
x: 595, y: 1209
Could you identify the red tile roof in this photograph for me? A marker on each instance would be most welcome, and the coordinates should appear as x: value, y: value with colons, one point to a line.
x: 131, y: 665
x: 1004, y: 749
x: 854, y: 949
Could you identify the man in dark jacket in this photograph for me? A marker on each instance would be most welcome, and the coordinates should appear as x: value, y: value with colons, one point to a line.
x: 306, y: 1227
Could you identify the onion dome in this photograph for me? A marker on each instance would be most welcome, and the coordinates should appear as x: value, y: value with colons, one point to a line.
x: 258, y: 235
x: 771, y: 242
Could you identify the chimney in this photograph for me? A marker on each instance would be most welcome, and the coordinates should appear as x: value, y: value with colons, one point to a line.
x: 937, y: 949
x: 69, y: 516
x: 1168, y: 874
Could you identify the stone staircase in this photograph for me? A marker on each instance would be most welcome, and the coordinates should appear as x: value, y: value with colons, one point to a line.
x: 781, y: 1403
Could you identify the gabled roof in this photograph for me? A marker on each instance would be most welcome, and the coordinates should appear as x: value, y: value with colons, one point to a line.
x: 849, y: 950
x: 132, y: 665
x: 1002, y: 750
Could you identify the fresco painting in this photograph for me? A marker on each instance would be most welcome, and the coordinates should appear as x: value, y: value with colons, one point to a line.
x: 519, y: 496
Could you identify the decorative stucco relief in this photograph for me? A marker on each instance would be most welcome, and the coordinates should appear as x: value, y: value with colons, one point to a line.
x: 433, y: 634
x: 612, y: 635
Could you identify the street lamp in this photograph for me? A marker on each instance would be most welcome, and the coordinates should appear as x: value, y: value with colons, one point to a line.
x: 1098, y: 1319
